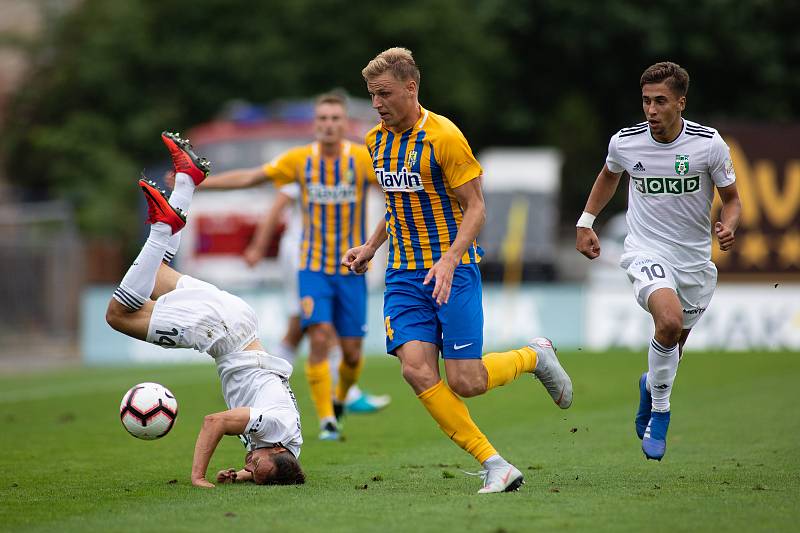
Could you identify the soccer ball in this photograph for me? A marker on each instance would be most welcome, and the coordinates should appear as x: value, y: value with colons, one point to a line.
x: 148, y: 411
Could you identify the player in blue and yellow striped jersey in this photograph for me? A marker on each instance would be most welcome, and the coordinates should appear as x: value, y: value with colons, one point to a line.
x: 434, y: 211
x: 333, y: 175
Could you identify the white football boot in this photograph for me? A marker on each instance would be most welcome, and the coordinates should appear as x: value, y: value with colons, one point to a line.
x: 550, y: 372
x: 503, y: 478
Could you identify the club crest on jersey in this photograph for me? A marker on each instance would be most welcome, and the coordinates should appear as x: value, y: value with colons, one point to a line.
x: 403, y: 181
x: 411, y: 160
x: 681, y: 164
x: 666, y: 185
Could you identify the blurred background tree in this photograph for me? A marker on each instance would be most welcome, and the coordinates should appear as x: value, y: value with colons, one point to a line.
x: 107, y: 77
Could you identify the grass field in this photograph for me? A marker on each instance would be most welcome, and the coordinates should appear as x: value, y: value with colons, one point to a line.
x: 731, y: 465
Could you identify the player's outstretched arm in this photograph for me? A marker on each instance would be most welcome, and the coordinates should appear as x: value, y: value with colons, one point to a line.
x: 357, y: 259
x: 725, y: 228
x: 235, y: 179
x: 231, y: 422
x: 266, y: 229
x: 586, y: 240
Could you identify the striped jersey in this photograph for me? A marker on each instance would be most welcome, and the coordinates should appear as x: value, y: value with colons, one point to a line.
x: 418, y: 170
x: 332, y: 200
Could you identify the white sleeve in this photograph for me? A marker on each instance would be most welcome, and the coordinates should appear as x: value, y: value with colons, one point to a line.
x: 266, y: 426
x: 292, y: 190
x: 720, y: 164
x: 613, y: 160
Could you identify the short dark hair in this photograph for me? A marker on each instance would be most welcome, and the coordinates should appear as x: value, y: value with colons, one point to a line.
x: 674, y: 75
x: 287, y: 471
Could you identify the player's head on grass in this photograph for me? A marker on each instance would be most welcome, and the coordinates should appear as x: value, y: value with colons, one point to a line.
x: 393, y: 84
x: 274, y: 466
x: 330, y: 118
x: 664, y: 87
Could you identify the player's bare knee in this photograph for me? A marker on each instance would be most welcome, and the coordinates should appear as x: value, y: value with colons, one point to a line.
x: 669, y: 329
x: 419, y: 377
x: 115, y: 314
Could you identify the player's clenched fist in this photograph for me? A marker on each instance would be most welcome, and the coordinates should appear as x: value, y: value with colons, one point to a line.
x: 587, y: 243
x: 725, y: 236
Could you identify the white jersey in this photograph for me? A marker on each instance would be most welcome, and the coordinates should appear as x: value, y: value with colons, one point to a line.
x: 260, y: 381
x: 198, y: 315
x: 671, y: 190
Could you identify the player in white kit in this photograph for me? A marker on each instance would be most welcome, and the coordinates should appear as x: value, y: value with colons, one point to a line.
x: 154, y: 303
x: 674, y: 166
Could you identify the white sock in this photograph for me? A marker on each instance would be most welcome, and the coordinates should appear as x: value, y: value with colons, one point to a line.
x: 353, y: 394
x: 137, y: 285
x: 285, y: 351
x: 334, y: 360
x: 495, y: 461
x: 663, y: 366
x: 181, y: 196
x: 172, y: 247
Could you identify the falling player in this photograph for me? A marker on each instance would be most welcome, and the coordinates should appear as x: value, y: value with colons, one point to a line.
x: 154, y: 303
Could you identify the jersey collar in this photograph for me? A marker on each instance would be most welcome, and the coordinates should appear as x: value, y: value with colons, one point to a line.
x: 673, y: 141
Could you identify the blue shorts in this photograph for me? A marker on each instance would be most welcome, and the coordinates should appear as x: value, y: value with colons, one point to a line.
x: 337, y: 299
x: 411, y: 314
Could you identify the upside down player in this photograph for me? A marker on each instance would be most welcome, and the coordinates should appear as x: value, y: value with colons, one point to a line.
x: 434, y: 210
x: 674, y: 167
x: 154, y: 303
x: 333, y: 175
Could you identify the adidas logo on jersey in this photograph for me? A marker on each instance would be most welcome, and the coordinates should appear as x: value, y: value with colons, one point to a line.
x: 676, y: 186
x: 639, y: 167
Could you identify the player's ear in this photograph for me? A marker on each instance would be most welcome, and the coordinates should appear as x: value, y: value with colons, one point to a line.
x: 682, y: 103
x: 411, y: 87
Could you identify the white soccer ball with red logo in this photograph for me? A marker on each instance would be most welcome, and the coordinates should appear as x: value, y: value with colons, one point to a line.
x: 148, y: 411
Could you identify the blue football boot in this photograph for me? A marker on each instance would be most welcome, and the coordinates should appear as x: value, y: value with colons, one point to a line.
x: 645, y: 404
x: 654, y: 443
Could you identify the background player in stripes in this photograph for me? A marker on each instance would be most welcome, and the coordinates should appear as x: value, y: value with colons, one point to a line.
x: 154, y: 303
x: 432, y: 303
x: 674, y: 165
x: 333, y: 175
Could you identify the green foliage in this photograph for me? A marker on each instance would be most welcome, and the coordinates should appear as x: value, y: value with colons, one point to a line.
x: 731, y: 464
x: 109, y: 76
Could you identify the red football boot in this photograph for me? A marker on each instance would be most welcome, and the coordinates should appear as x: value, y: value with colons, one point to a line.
x: 158, y: 208
x: 184, y: 159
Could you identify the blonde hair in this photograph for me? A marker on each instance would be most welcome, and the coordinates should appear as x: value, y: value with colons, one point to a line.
x: 331, y: 98
x: 398, y: 61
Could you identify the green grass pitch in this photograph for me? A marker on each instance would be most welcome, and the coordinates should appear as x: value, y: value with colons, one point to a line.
x: 731, y: 465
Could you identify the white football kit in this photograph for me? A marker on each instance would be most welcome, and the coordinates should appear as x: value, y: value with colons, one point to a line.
x: 198, y: 315
x: 289, y: 249
x: 669, y: 202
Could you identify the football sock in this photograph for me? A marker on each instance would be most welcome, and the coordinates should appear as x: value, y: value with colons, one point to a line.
x: 285, y: 351
x: 319, y: 381
x: 495, y: 461
x: 137, y: 285
x: 663, y: 366
x: 181, y: 196
x: 348, y: 375
x: 172, y: 247
x: 453, y: 418
x: 505, y: 367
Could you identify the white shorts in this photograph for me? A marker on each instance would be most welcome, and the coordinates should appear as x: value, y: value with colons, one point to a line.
x: 289, y: 258
x: 649, y: 272
x: 198, y: 315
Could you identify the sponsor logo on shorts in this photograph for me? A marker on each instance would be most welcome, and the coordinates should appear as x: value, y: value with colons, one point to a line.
x: 695, y: 311
x: 666, y: 185
x: 462, y: 346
